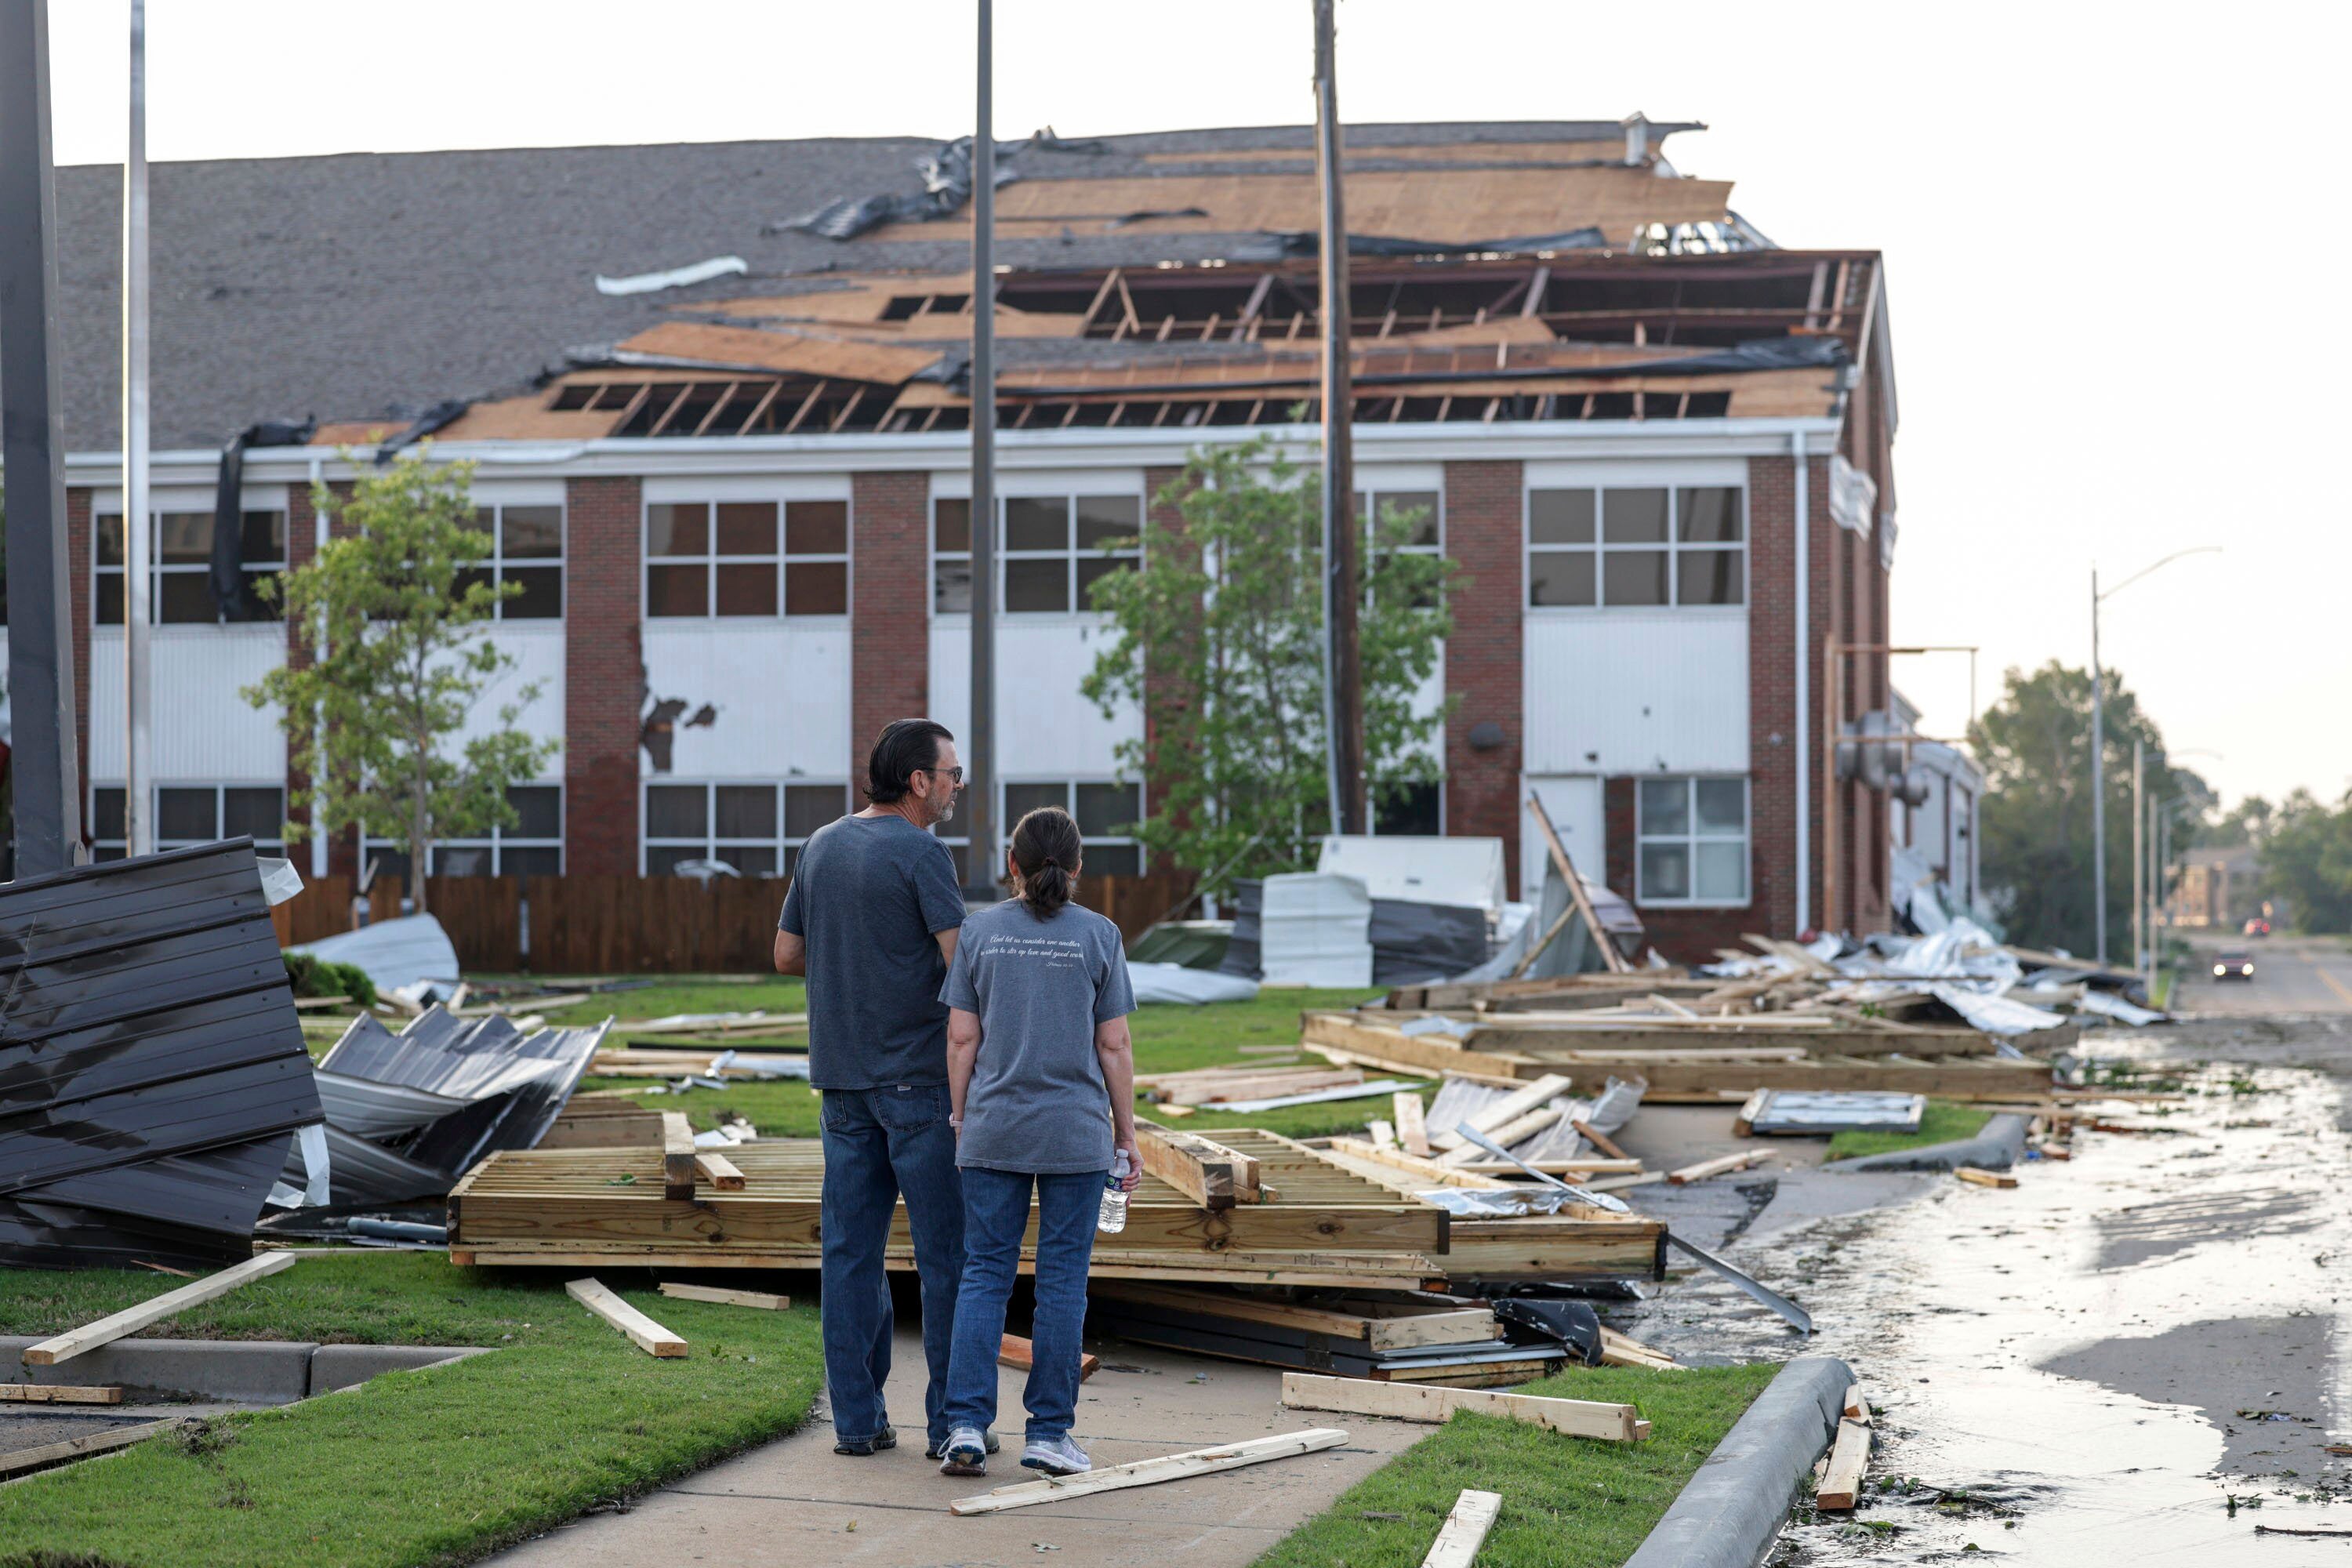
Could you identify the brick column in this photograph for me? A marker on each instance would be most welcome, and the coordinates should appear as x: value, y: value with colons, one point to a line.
x: 604, y: 675
x: 1485, y: 656
x: 889, y: 609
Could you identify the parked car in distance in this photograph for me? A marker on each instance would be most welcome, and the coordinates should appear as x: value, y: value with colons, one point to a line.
x: 2258, y: 927
x: 2233, y: 964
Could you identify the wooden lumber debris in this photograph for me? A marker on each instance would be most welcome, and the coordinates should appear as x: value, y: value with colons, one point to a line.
x: 1378, y: 1327
x: 131, y: 1320
x: 1857, y: 1408
x: 1980, y: 1178
x: 24, y: 1460
x: 1720, y: 1167
x: 718, y: 1170
x: 1620, y: 1350
x: 1421, y: 1401
x: 1381, y: 1132
x: 1586, y: 1130
x: 720, y: 1295
x: 1512, y: 1107
x: 677, y: 1155
x: 1210, y: 1175
x: 586, y: 1123
x: 1149, y: 1472
x: 1015, y: 1351
x: 1465, y: 1531
x: 57, y: 1393
x: 1579, y: 899
x: 643, y: 1332
x: 1412, y: 1125
x: 1849, y: 1458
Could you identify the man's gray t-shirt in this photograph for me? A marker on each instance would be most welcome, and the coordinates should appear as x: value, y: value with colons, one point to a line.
x: 868, y: 897
x: 1037, y: 1103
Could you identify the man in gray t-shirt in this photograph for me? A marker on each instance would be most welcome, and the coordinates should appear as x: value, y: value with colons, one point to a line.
x: 871, y: 919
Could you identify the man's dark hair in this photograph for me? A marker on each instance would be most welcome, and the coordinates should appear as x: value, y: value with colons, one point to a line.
x: 904, y: 747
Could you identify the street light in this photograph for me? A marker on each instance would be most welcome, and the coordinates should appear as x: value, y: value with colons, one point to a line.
x: 2099, y: 743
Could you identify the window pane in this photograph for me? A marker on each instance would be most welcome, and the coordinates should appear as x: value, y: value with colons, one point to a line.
x: 1092, y: 569
x: 1665, y: 807
x: 1559, y: 577
x: 106, y: 818
x: 1112, y: 859
x: 388, y: 861
x: 1666, y: 871
x: 266, y: 610
x: 184, y: 599
x: 1722, y: 806
x: 750, y: 859
x: 461, y: 860
x: 678, y: 528
x: 541, y: 861
x: 1021, y: 799
x: 677, y: 590
x: 746, y: 528
x: 184, y: 538
x: 539, y: 811
x: 1110, y: 807
x: 1634, y: 577
x: 816, y: 528
x: 952, y: 525
x: 541, y: 598
x: 258, y: 812
x: 1708, y: 516
x: 462, y: 583
x: 109, y: 609
x: 529, y: 532
x: 816, y: 588
x: 1420, y: 505
x: 677, y: 811
x: 1708, y: 577
x: 1037, y: 584
x: 1412, y: 810
x: 265, y: 535
x: 110, y: 541
x: 745, y: 589
x: 747, y: 811
x: 1723, y: 872
x: 185, y: 813
x: 1633, y: 517
x: 1037, y: 523
x: 662, y: 859
x: 808, y: 807
x: 950, y: 587
x: 1559, y: 517
x: 1102, y: 519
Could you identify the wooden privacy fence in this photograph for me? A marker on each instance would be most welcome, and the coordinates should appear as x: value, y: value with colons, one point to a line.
x: 634, y: 925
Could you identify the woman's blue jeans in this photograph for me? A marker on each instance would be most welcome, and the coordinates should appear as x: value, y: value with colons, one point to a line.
x: 995, y: 1219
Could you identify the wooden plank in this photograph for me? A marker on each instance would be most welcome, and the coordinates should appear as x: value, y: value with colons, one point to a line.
x: 1982, y: 1178
x: 1402, y: 1331
x: 1720, y: 1167
x: 1412, y: 1165
x: 1411, y: 1126
x: 1580, y: 900
x: 1391, y: 1048
x: 1857, y: 1408
x: 718, y: 1170
x: 131, y: 1320
x: 1584, y: 1129
x: 75, y: 1447
x: 648, y: 1335
x: 765, y: 1301
x: 1849, y: 1458
x: 1517, y: 1131
x: 1421, y: 1402
x: 57, y: 1393
x: 1508, y: 1109
x: 1382, y: 1133
x: 1210, y: 1175
x: 677, y: 1156
x: 1464, y: 1529
x: 1148, y: 1472
x: 1014, y: 1351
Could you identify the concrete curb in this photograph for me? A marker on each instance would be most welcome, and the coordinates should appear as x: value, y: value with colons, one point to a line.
x: 1732, y: 1512
x: 240, y: 1372
x: 2000, y: 1145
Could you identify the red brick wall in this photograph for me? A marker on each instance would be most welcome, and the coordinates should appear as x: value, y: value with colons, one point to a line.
x: 889, y: 609
x: 604, y: 675
x: 1483, y: 658
x: 79, y: 544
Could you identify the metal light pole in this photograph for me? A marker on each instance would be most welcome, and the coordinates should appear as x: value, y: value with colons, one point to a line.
x: 2139, y: 850
x: 138, y: 582
x: 1342, y: 694
x: 979, y: 747
x: 31, y: 450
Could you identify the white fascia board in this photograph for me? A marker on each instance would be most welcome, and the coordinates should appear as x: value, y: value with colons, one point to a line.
x: 1016, y: 449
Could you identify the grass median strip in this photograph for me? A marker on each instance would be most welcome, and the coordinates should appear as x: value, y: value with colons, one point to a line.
x: 1942, y: 1122
x: 432, y: 1467
x: 1566, y: 1503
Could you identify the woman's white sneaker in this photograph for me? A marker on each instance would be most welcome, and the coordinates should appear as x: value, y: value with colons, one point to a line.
x: 1057, y: 1457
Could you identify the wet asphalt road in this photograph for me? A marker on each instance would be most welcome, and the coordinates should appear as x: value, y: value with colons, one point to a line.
x: 2136, y: 1356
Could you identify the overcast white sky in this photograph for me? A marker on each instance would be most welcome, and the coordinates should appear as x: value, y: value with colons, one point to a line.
x: 2114, y: 238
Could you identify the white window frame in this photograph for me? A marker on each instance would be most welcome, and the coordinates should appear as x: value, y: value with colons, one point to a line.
x: 1072, y: 553
x: 497, y: 841
x: 274, y: 845
x: 158, y: 570
x: 496, y: 564
x: 782, y: 558
x: 785, y: 844
x: 1600, y: 549
x: 1691, y: 837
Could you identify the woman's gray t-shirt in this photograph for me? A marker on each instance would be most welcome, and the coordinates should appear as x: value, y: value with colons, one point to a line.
x: 1036, y: 1102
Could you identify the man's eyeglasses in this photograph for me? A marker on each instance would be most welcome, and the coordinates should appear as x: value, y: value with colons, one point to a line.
x: 955, y: 775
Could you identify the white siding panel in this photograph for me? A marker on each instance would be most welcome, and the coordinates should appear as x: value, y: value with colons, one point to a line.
x: 537, y: 649
x: 780, y: 694
x: 1045, y: 729
x: 201, y: 731
x: 1622, y: 691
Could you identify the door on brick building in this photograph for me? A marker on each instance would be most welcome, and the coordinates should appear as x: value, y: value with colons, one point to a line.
x: 1573, y: 803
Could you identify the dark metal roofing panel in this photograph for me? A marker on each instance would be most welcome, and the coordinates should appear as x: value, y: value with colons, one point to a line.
x: 518, y: 1082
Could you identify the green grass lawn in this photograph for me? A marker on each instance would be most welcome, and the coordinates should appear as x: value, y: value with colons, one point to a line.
x: 1943, y: 1124
x: 1568, y: 1502
x: 436, y: 1466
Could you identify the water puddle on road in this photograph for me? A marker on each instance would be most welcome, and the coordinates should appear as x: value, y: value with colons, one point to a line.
x: 2088, y: 1368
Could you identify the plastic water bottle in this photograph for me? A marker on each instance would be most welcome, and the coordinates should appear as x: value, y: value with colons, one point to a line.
x: 1113, y: 1214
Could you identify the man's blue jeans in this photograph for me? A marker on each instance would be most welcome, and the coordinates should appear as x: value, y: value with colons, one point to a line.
x: 995, y: 1215
x: 877, y: 1143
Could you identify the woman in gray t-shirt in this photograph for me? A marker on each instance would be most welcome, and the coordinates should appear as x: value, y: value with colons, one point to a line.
x: 1042, y: 1085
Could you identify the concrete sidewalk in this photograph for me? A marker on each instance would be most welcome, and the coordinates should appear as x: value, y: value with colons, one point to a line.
x: 796, y: 1502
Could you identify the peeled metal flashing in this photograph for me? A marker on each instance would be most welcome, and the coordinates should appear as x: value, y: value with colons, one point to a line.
x: 151, y: 1063
x: 508, y: 1086
x: 1732, y: 1510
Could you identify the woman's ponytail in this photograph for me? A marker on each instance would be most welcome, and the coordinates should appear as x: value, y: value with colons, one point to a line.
x: 1045, y: 850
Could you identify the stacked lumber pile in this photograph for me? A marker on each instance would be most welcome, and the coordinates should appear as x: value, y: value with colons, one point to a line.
x: 1250, y: 1087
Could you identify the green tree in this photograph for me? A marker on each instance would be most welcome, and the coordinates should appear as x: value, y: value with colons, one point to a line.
x: 2307, y: 858
x: 2034, y: 745
x: 395, y: 612
x: 1217, y: 635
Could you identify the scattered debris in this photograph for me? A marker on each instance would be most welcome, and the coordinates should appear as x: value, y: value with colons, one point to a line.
x: 1147, y: 1472
x: 1012, y: 1351
x: 1982, y: 1178
x: 675, y: 277
x: 724, y: 1297
x: 58, y: 1394
x: 1418, y: 1402
x: 643, y: 1332
x: 131, y: 1320
x: 1465, y: 1531
x: 1841, y: 1482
